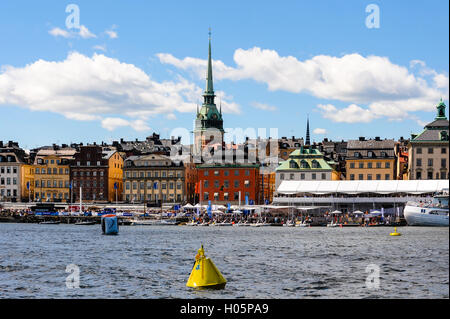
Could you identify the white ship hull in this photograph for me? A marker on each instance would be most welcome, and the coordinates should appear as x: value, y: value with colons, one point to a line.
x: 418, y: 216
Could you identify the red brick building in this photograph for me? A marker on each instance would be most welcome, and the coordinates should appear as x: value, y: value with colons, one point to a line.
x: 221, y: 183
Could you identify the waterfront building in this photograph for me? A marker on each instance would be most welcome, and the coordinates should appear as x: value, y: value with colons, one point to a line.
x: 305, y: 164
x: 223, y: 183
x: 98, y: 171
x: 401, y: 155
x: 371, y: 159
x: 154, y: 179
x: 52, y: 173
x: 266, y: 186
x: 428, y: 151
x: 27, y: 182
x: 208, y: 122
x: 12, y: 158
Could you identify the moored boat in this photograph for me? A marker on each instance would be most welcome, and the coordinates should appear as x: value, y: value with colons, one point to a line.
x: 428, y: 214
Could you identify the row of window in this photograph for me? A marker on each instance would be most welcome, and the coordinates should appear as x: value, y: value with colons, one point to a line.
x: 51, y: 183
x: 50, y: 171
x: 370, y: 154
x: 314, y: 176
x: 88, y: 173
x: 150, y: 174
x: 88, y: 184
x: 225, y: 197
x: 226, y: 172
x: 370, y: 165
x: 8, y: 193
x: 8, y: 180
x: 52, y: 195
x: 226, y: 184
x: 370, y: 177
x: 439, y: 175
x: 8, y: 170
x: 152, y: 185
x: 150, y: 197
x: 431, y: 150
x: 430, y: 162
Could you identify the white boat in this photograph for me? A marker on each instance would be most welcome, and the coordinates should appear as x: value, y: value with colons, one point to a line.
x: 289, y: 223
x: 302, y: 224
x: 428, y: 214
x: 241, y: 224
x: 260, y: 224
x: 333, y: 224
x: 192, y: 223
x: 203, y: 224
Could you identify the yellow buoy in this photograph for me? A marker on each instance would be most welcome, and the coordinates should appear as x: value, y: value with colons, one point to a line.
x: 395, y: 232
x: 205, y: 274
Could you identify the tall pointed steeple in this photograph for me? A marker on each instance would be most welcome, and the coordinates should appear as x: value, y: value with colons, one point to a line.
x: 308, y: 140
x: 209, y: 121
x: 209, y: 77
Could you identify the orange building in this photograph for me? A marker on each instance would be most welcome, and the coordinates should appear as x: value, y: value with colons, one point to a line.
x: 222, y: 183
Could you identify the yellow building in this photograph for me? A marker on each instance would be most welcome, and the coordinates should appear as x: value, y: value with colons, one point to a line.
x: 52, y: 174
x: 115, y: 175
x: 27, y: 182
x: 370, y: 159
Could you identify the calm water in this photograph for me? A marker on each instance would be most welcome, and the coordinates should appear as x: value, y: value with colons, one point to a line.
x: 266, y: 262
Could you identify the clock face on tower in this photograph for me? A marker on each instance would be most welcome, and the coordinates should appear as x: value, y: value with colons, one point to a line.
x: 214, y: 116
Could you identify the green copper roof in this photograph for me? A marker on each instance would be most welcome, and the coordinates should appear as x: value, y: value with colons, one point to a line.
x: 441, y: 111
x: 305, y: 159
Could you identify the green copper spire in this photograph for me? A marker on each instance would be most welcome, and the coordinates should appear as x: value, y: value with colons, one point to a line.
x: 209, y: 77
x: 209, y: 116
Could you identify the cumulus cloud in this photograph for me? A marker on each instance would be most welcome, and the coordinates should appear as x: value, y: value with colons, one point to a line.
x: 320, y: 131
x: 57, y: 32
x: 83, y: 32
x: 372, y: 85
x: 111, y: 124
x: 97, y: 88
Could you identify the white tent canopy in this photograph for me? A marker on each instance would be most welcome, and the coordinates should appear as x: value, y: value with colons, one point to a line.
x: 358, y: 187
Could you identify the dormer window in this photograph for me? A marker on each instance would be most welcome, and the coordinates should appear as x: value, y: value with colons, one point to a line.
x: 357, y: 154
x: 293, y: 164
x: 304, y: 164
x: 371, y: 154
x: 315, y: 164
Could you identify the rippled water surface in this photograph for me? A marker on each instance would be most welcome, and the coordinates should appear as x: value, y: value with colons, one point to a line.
x: 266, y: 262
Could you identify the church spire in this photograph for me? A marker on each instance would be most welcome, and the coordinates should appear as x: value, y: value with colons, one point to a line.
x: 308, y: 140
x: 209, y: 77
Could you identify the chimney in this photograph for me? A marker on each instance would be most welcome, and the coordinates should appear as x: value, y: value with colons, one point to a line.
x: 362, y: 138
x: 377, y: 138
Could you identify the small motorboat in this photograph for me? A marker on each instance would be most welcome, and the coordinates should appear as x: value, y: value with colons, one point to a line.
x: 50, y: 222
x: 86, y: 223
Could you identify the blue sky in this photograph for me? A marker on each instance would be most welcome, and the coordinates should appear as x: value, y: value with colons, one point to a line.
x: 274, y: 63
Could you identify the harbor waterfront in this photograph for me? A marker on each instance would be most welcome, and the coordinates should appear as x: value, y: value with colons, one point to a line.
x: 266, y: 262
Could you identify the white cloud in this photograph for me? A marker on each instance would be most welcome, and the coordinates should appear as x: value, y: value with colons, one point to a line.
x: 98, y: 88
x: 372, y: 85
x: 112, y: 34
x: 319, y: 131
x: 111, y: 124
x: 85, y: 33
x: 351, y: 114
x: 265, y: 107
x: 56, y: 32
